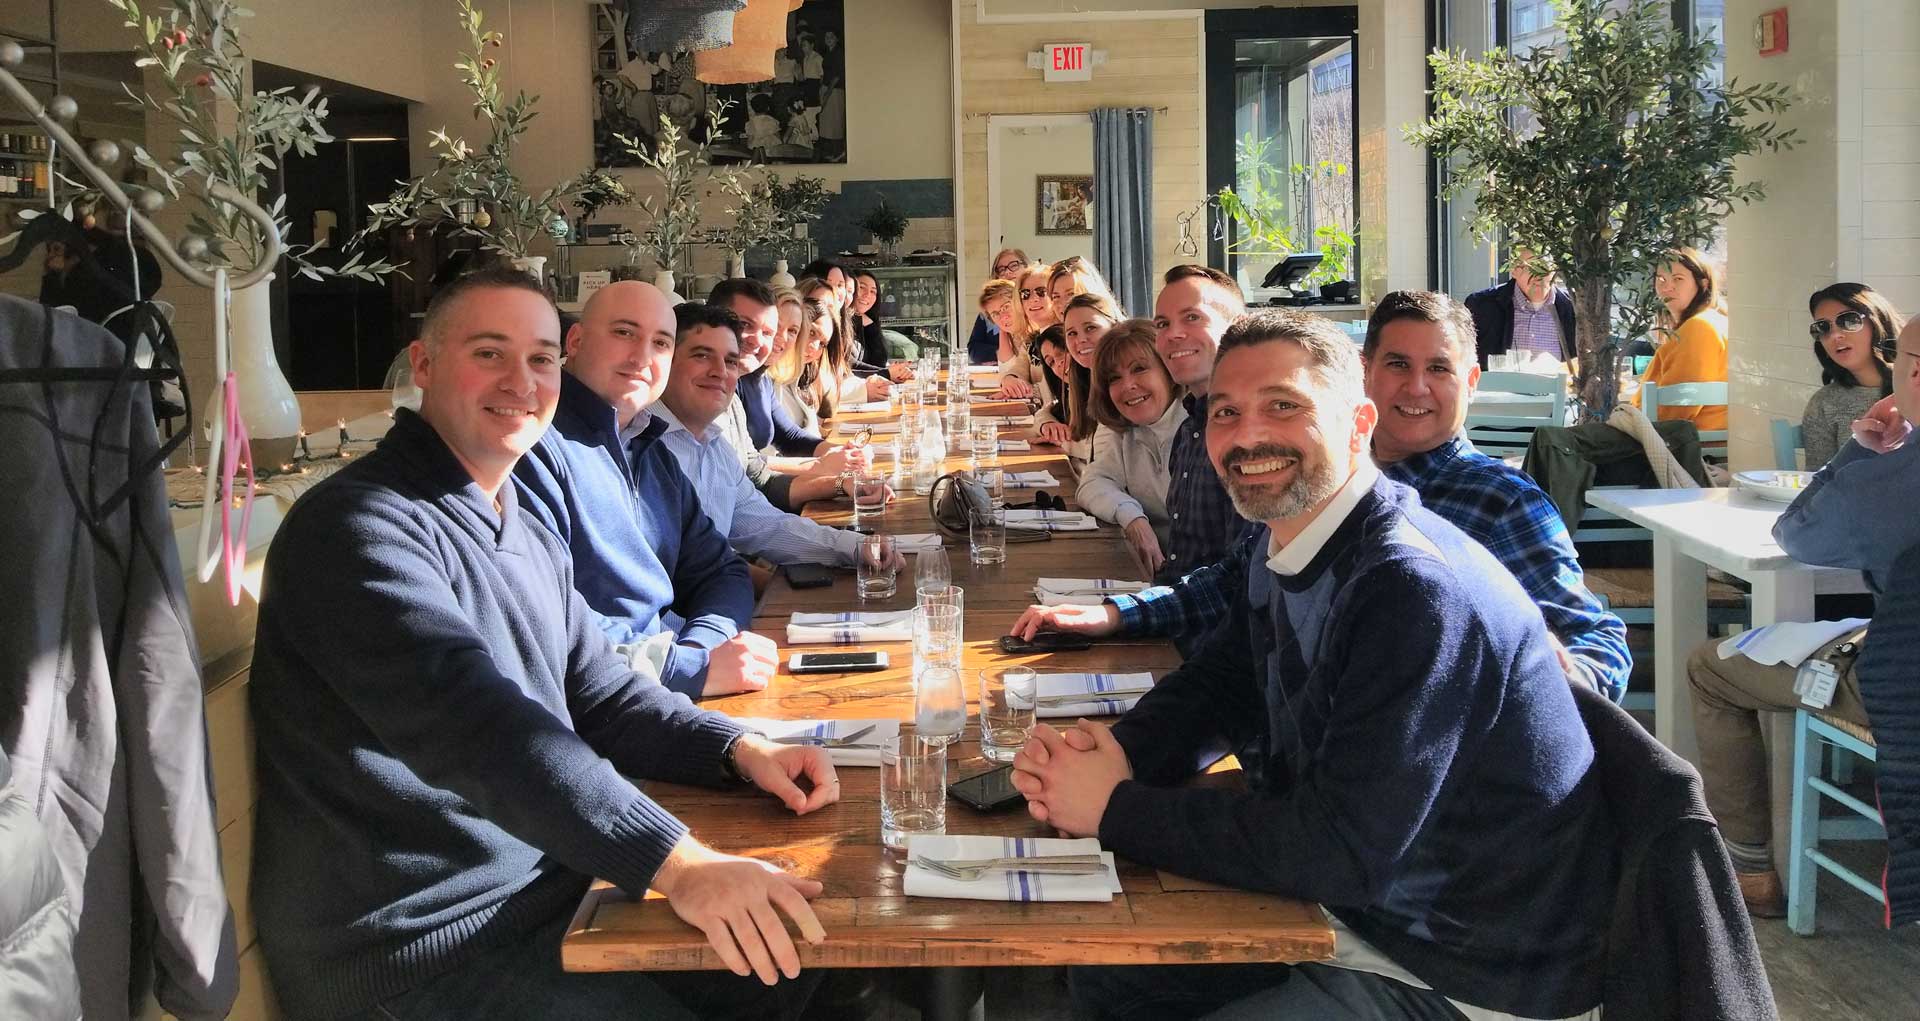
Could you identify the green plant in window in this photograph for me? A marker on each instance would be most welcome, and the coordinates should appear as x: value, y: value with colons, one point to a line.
x: 1259, y: 208
x: 1628, y: 154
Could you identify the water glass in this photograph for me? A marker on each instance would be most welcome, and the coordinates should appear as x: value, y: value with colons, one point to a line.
x: 932, y: 571
x: 952, y: 595
x: 936, y: 638
x: 869, y: 490
x: 939, y: 705
x: 993, y: 479
x: 1006, y: 710
x: 913, y: 789
x: 987, y: 535
x: 959, y: 421
x: 873, y: 576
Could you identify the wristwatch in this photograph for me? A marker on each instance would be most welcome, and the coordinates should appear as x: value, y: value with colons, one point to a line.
x: 727, y: 763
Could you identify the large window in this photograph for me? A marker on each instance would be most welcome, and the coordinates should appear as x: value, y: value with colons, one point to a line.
x: 1281, y: 122
x: 1461, y: 264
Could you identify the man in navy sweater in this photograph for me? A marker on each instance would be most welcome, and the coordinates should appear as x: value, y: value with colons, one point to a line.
x: 445, y: 738
x: 1427, y: 777
x: 666, y: 585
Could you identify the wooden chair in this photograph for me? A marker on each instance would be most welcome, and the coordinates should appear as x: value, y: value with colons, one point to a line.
x: 1788, y: 441
x: 1713, y: 442
x: 1811, y: 731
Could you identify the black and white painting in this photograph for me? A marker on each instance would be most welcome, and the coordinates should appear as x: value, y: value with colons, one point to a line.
x: 799, y: 116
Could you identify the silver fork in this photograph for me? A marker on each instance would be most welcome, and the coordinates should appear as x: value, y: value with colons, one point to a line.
x: 828, y: 742
x: 967, y: 870
x: 1069, y: 698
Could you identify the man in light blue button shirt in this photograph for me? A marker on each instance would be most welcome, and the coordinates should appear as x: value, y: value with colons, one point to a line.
x: 706, y: 367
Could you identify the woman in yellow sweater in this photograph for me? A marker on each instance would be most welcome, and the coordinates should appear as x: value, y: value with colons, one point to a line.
x: 1695, y: 350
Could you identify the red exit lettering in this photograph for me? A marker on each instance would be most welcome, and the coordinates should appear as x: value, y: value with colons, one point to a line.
x: 1069, y: 58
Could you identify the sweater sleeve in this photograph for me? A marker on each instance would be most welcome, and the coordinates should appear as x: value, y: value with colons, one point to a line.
x: 1175, y: 729
x: 789, y: 437
x: 1843, y: 519
x: 712, y: 593
x: 1697, y: 353
x: 420, y: 677
x: 1400, y: 713
x: 1103, y: 486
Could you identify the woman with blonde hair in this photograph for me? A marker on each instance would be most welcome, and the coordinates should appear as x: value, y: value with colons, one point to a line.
x: 1032, y: 312
x: 988, y: 342
x: 1138, y: 406
x: 1070, y: 278
x: 794, y: 373
x: 1695, y: 324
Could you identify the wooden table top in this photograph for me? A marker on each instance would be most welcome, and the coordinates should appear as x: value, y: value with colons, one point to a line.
x: 1159, y: 918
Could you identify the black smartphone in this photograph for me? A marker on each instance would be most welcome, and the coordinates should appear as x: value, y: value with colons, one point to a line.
x: 808, y: 575
x: 988, y: 791
x: 836, y: 662
x: 1045, y: 641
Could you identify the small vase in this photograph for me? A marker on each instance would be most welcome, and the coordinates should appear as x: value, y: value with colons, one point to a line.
x: 780, y: 277
x: 267, y: 403
x: 736, y: 265
x: 534, y: 266
x: 664, y: 281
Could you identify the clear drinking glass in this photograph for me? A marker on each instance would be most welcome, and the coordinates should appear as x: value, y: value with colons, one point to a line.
x: 936, y: 638
x: 1006, y: 710
x: 913, y: 789
x: 987, y: 536
x: 993, y: 479
x: 874, y: 575
x: 869, y: 489
x: 986, y: 442
x: 932, y: 570
x: 939, y: 705
x: 951, y: 595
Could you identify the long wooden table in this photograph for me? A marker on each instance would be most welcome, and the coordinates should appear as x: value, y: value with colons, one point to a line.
x: 1159, y: 918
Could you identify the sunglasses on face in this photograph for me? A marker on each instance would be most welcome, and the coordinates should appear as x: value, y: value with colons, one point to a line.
x: 1032, y: 292
x: 1848, y: 322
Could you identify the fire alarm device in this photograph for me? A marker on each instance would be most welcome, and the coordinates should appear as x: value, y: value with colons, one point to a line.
x: 1770, y: 32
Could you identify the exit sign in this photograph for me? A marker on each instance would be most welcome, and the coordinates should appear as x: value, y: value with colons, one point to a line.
x: 1067, y: 62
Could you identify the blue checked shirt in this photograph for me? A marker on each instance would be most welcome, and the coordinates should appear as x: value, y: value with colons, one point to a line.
x: 1201, y: 522
x: 1499, y: 506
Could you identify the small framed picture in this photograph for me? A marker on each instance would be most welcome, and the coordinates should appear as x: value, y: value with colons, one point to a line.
x: 1063, y: 204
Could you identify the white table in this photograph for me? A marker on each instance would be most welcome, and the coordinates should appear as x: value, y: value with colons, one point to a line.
x: 1694, y: 529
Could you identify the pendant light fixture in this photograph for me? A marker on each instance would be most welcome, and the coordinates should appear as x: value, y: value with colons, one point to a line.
x: 758, y: 31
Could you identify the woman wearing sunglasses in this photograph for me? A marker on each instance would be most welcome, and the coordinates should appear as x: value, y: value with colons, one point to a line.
x: 1853, y: 329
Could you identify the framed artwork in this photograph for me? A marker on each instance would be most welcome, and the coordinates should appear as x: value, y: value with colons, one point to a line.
x: 799, y: 116
x: 1063, y: 204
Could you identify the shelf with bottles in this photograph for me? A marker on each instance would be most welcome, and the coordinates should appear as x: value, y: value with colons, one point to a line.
x: 24, y: 173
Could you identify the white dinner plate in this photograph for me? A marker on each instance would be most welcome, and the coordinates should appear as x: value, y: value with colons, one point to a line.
x: 1779, y: 486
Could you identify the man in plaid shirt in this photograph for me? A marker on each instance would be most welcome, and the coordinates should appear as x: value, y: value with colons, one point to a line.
x: 1421, y: 369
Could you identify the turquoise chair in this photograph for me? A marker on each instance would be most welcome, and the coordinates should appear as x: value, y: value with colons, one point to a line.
x: 1787, y: 443
x: 1713, y: 442
x: 1811, y: 732
x: 1499, y: 431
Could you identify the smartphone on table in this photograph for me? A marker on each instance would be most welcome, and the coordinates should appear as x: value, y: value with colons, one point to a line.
x: 836, y: 662
x: 988, y: 791
x: 1045, y: 641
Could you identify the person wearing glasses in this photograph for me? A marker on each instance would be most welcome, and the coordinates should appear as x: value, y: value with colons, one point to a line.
x: 989, y: 342
x: 1020, y: 372
x: 1852, y: 324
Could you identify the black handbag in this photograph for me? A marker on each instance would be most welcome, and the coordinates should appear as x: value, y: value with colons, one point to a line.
x: 956, y: 494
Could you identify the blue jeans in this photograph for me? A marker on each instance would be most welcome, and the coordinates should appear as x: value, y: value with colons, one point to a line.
x: 1234, y: 991
x: 523, y: 980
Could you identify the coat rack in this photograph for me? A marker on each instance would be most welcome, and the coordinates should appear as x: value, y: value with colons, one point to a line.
x: 181, y: 257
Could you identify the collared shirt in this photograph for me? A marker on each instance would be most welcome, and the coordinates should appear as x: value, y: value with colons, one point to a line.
x: 755, y: 527
x: 1201, y: 522
x: 1292, y: 558
x: 1537, y: 327
x: 1497, y: 505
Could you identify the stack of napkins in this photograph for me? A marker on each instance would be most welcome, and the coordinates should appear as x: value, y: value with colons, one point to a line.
x: 849, y: 628
x: 1106, y: 694
x: 917, y: 542
x: 1083, y: 590
x: 1052, y: 520
x: 874, y: 406
x: 1007, y: 885
x: 877, y: 428
x: 1015, y: 446
x: 865, y: 751
x: 1030, y: 480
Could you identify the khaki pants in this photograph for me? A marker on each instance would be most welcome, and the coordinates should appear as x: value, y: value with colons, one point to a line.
x: 1728, y: 697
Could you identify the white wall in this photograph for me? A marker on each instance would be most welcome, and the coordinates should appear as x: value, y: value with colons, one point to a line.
x: 1845, y: 205
x: 1025, y: 152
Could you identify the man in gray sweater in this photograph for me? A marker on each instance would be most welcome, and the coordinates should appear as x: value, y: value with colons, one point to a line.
x: 1847, y: 517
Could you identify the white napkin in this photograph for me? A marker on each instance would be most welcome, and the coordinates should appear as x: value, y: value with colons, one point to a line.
x: 1045, y: 685
x: 1030, y: 480
x: 1014, y: 446
x: 865, y: 753
x: 865, y: 406
x: 1053, y: 520
x: 850, y: 628
x: 917, y: 542
x: 1788, y: 643
x: 1083, y: 590
x: 876, y: 428
x: 1008, y: 886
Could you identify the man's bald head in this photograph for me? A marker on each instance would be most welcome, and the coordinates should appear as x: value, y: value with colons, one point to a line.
x: 622, y: 348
